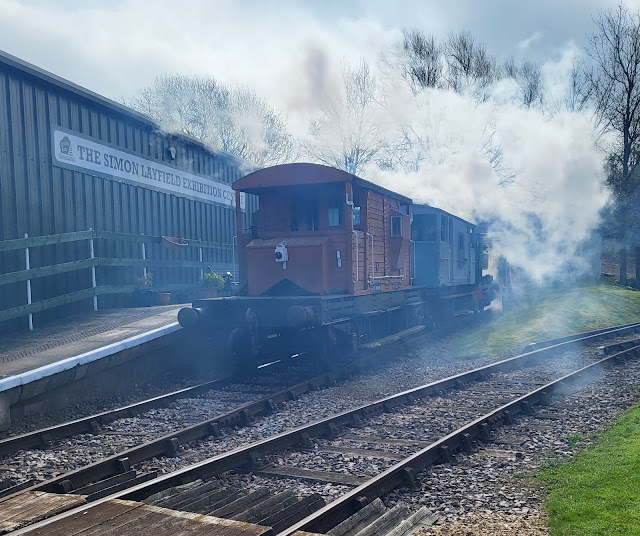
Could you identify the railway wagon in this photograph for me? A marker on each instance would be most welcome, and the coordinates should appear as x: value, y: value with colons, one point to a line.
x: 329, y: 263
x: 450, y: 257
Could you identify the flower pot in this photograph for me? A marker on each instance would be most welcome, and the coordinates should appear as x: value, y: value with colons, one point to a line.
x: 163, y: 298
x: 209, y: 292
x: 171, y: 242
x: 143, y: 298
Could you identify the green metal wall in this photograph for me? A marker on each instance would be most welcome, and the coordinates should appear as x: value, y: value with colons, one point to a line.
x: 39, y: 198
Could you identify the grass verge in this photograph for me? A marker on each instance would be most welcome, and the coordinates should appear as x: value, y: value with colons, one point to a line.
x: 598, y: 492
x: 549, y: 314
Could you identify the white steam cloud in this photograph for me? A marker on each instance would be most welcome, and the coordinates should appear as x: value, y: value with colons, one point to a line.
x: 536, y: 177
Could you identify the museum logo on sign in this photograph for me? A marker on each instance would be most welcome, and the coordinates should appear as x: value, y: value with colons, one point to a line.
x: 66, y: 151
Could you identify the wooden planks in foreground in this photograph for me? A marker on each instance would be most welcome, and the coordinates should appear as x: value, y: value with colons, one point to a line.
x: 118, y: 517
x: 32, y: 507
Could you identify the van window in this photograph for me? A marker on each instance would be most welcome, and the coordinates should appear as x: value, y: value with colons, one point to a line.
x: 356, y: 215
x: 335, y: 211
x: 424, y: 228
x: 444, y: 229
x: 304, y: 212
x: 396, y: 226
x: 335, y: 217
x: 463, y: 252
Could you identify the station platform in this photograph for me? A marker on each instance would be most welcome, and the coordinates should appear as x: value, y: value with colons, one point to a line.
x: 32, y: 361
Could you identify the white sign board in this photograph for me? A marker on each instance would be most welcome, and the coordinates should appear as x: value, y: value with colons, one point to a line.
x: 74, y: 151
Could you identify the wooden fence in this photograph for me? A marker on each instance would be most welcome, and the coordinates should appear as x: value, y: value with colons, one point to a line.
x: 220, y: 258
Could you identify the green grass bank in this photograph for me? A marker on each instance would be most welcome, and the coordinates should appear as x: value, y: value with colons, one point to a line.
x: 598, y: 492
x: 548, y: 314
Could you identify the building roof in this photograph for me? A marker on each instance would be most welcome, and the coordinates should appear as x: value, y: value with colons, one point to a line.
x: 305, y: 174
x: 31, y: 70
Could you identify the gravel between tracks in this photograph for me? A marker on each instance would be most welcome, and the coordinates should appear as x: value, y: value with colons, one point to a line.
x: 490, y: 525
x: 424, y: 364
x: 447, y: 489
x: 485, y: 493
x: 316, y: 405
x: 492, y: 492
x: 79, y: 410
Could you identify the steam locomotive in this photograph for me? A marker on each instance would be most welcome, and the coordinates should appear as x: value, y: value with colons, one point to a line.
x: 332, y: 263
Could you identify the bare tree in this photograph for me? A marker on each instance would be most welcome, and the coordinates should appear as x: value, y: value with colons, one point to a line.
x: 509, y: 69
x: 528, y: 76
x: 182, y: 103
x: 614, y: 85
x: 459, y: 63
x: 234, y: 120
x: 578, y: 92
x: 423, y: 60
x: 416, y: 58
x: 494, y: 154
x: 530, y: 82
x: 256, y: 131
x: 468, y: 62
x: 349, y: 134
x: 459, y: 51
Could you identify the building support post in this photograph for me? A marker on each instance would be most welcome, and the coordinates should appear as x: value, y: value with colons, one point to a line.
x: 28, y: 267
x: 144, y: 258
x: 93, y: 273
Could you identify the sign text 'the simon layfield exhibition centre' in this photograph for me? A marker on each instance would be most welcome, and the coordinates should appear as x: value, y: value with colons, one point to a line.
x: 75, y: 152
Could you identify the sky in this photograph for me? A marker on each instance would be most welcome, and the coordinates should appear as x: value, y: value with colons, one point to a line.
x: 292, y: 54
x: 286, y: 50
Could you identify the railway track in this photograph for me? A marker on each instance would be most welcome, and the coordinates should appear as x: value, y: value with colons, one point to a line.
x: 266, y: 459
x: 91, y: 424
x: 247, y: 387
x: 157, y: 433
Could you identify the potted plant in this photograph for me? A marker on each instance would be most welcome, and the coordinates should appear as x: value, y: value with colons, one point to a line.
x: 210, y: 284
x: 143, y: 297
x: 163, y: 298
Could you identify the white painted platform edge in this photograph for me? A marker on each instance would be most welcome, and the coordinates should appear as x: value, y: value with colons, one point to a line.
x: 88, y: 357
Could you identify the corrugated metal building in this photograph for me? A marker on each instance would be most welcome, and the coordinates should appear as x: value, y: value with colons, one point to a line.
x: 72, y: 160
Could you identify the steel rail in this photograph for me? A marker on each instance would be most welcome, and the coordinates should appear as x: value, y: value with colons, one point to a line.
x: 550, y: 342
x: 248, y: 455
x: 91, y: 423
x: 167, y: 444
x: 442, y: 449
